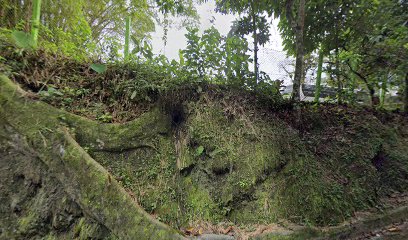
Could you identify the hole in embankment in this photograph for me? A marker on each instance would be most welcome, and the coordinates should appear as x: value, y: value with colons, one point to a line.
x: 378, y: 160
x: 177, y: 115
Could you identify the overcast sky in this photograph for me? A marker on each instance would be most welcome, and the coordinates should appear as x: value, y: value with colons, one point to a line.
x: 176, y: 39
x: 270, y: 56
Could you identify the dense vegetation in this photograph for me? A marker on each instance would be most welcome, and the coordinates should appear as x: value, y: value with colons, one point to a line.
x: 205, y: 139
x: 361, y: 44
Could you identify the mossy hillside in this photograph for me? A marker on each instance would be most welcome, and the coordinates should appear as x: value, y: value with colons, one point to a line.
x: 355, y: 230
x: 257, y: 169
x: 93, y: 189
x: 392, y: 162
x: 153, y: 173
x: 148, y: 173
x: 356, y: 152
x: 180, y: 183
x: 228, y: 161
x: 238, y: 155
x: 151, y: 176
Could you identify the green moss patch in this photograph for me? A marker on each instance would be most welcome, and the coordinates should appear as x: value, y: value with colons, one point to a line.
x: 233, y: 162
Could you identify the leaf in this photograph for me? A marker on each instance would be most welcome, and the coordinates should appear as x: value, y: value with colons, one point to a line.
x: 133, y: 95
x: 22, y: 39
x: 199, y: 150
x: 181, y: 57
x: 54, y: 91
x: 99, y: 68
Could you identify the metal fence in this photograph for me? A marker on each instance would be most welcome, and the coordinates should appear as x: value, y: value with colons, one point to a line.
x: 277, y: 65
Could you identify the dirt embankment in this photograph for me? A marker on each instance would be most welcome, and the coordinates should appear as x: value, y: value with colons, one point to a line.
x: 196, y: 154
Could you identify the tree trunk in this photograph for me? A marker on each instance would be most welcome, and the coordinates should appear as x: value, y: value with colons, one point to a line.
x: 127, y: 37
x: 337, y: 63
x: 319, y: 76
x: 375, y: 100
x: 352, y: 85
x: 299, y: 52
x: 339, y: 83
x: 406, y: 93
x: 255, y: 36
x: 85, y: 181
x: 383, y: 91
x: 36, y: 21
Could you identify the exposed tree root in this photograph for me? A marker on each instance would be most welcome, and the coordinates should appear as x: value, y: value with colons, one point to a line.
x: 47, y: 132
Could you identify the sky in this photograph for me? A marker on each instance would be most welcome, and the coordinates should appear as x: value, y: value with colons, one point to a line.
x: 176, y: 39
x: 270, y: 56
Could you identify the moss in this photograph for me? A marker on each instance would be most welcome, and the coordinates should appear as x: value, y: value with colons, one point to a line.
x: 101, y: 195
x: 78, y: 227
x: 355, y: 230
x: 257, y: 171
x: 393, y: 167
x: 148, y: 172
x: 51, y: 237
x: 27, y: 223
x: 199, y: 204
x: 299, y: 191
x: 82, y: 178
x: 119, y: 137
x: 238, y: 151
x: 262, y: 208
x: 85, y: 229
x: 262, y: 171
x: 222, y: 162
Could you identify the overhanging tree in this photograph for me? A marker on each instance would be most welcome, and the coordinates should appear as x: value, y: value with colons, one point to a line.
x: 257, y: 26
x: 375, y: 48
x: 253, y: 22
x: 300, y: 26
x: 319, y: 21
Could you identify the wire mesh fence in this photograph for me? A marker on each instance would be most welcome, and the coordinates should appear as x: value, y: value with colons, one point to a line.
x: 277, y: 64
